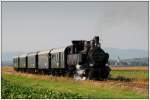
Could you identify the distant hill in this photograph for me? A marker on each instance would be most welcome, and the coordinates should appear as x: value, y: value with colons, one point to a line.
x: 137, y: 61
x: 126, y: 53
x: 130, y: 62
x: 8, y: 56
x: 7, y: 63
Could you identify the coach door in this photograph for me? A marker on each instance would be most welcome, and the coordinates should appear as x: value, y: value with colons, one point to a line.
x: 59, y: 59
x: 61, y: 56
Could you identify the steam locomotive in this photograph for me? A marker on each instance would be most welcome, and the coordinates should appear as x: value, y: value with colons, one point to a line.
x: 81, y: 60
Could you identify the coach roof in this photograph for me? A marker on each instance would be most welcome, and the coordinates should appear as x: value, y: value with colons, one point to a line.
x: 32, y: 53
x: 14, y: 57
x: 58, y: 50
x: 45, y: 52
x: 24, y: 55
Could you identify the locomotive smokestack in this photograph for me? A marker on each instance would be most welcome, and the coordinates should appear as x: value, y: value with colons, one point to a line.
x: 96, y: 39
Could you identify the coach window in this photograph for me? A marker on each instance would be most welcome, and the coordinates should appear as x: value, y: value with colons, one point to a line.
x: 63, y: 56
x: 56, y: 56
x: 53, y: 56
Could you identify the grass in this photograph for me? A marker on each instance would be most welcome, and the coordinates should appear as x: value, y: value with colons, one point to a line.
x: 19, y: 85
x: 135, y: 75
x: 130, y: 68
x: 74, y: 89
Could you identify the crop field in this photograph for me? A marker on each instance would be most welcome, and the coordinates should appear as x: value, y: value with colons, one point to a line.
x: 124, y: 82
x: 131, y: 73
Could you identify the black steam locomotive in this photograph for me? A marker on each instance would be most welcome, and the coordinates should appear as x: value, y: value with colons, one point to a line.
x: 81, y: 60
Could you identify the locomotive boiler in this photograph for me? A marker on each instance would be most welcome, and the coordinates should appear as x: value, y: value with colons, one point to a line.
x: 81, y: 60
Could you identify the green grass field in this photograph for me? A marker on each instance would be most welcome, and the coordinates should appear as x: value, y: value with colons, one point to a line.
x: 19, y: 85
x: 133, y: 75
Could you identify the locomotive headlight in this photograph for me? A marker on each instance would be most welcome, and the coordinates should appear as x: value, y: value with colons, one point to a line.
x: 78, y: 66
x: 91, y: 65
x: 106, y: 64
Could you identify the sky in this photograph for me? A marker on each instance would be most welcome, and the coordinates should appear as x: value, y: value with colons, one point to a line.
x: 34, y: 26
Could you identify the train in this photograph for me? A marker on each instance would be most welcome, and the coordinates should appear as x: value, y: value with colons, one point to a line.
x: 81, y: 60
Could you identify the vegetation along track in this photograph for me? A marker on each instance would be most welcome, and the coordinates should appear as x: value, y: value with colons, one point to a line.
x: 120, y: 80
x: 122, y: 84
